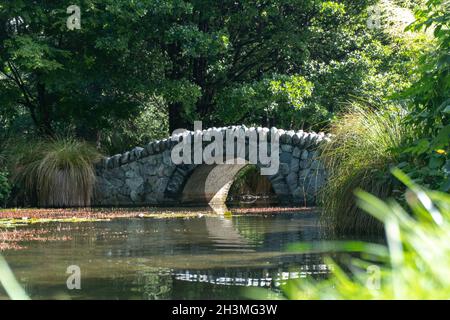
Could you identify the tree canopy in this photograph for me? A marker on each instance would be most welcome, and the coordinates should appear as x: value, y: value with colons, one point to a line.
x: 290, y: 63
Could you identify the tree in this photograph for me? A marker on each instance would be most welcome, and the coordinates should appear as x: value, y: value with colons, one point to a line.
x: 235, y: 52
x: 75, y: 79
x: 231, y: 50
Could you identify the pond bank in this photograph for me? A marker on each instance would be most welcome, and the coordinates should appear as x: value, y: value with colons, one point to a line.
x: 81, y: 214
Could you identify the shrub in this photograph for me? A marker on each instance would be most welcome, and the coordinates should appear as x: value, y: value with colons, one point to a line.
x: 5, y: 188
x: 415, y: 263
x: 365, y: 144
x: 58, y: 172
x: 428, y: 156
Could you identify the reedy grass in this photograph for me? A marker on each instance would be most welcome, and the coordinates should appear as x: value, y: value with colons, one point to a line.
x: 415, y: 264
x: 59, y: 172
x: 365, y: 145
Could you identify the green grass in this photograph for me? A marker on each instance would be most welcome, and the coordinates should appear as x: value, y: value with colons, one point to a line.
x: 59, y: 172
x: 415, y: 264
x: 365, y: 145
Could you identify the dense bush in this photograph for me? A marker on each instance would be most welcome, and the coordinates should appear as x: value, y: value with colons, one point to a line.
x: 5, y: 188
x: 426, y: 159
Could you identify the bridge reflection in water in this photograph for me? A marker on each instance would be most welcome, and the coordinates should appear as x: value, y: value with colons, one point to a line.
x: 247, y: 236
x: 264, y: 278
x: 199, y: 258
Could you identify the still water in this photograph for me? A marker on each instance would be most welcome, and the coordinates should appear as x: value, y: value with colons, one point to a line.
x: 206, y: 257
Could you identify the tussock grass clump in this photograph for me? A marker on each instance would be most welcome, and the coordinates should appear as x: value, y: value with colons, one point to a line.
x: 58, y: 172
x: 365, y: 145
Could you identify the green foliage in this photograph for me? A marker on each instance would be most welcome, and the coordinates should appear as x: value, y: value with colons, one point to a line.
x: 123, y: 135
x: 281, y: 97
x: 206, y: 60
x: 62, y: 78
x: 414, y: 265
x: 366, y: 143
x: 5, y: 188
x: 426, y: 159
x: 58, y: 172
x: 339, y: 57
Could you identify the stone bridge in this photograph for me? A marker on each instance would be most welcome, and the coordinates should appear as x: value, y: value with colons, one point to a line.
x: 148, y: 176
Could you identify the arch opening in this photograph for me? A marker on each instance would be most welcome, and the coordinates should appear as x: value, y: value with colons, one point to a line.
x: 250, y: 188
x: 211, y: 184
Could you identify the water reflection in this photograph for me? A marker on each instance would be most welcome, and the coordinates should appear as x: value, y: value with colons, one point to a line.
x: 253, y: 278
x: 222, y: 232
x: 198, y: 258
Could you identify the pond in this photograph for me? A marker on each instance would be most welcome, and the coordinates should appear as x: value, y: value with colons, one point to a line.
x: 201, y: 257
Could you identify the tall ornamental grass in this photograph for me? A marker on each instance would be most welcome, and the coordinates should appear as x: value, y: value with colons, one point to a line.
x: 365, y: 145
x: 415, y: 264
x: 58, y: 172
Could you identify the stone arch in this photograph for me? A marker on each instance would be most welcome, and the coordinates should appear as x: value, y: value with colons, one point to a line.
x: 147, y: 175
